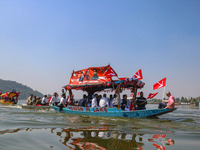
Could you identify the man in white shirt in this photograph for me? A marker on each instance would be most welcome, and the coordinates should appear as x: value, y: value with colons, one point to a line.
x: 44, y: 100
x: 94, y: 101
x: 104, y: 101
x: 54, y: 100
x: 116, y: 100
x: 63, y: 102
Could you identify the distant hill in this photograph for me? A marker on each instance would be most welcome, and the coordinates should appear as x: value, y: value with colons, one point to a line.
x: 25, y: 91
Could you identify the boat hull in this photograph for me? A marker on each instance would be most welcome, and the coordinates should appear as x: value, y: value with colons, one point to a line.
x: 111, y: 112
x: 8, y: 102
x: 25, y: 106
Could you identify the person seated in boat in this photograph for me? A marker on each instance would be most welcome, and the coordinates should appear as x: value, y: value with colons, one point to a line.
x: 89, y: 101
x: 44, y: 100
x: 141, y: 102
x: 132, y: 103
x: 34, y: 100
x: 170, y: 102
x: 54, y: 100
x: 94, y: 101
x: 83, y: 101
x: 104, y: 101
x: 63, y: 102
x: 71, y: 100
x: 38, y: 100
x: 115, y: 100
x: 111, y: 100
x: 125, y: 103
x: 98, y: 99
x: 29, y: 100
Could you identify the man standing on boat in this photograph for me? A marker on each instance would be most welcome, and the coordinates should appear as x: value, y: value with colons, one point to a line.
x: 62, y: 92
x: 170, y: 102
x: 63, y: 102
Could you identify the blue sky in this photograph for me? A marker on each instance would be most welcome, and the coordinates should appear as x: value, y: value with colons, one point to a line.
x: 41, y: 42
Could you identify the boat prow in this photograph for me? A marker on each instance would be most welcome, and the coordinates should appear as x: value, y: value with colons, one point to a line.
x: 112, y: 112
x: 9, y: 98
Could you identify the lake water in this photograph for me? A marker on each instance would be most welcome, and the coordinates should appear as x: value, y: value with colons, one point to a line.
x: 22, y: 129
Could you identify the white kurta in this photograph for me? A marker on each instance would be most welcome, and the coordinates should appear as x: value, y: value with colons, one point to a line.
x: 63, y: 100
x: 94, y: 102
x: 103, y: 102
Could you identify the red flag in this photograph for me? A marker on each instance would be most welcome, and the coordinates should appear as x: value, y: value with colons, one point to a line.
x: 159, y: 84
x: 138, y: 75
x: 49, y: 99
x: 18, y: 94
x: 152, y: 95
x: 110, y: 73
x: 159, y: 147
x: 156, y: 136
x: 132, y: 107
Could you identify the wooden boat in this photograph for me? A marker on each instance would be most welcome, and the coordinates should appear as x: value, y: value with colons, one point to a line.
x: 98, y: 79
x: 36, y: 107
x: 9, y: 98
x: 112, y: 112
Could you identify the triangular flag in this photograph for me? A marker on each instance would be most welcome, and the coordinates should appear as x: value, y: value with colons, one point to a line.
x: 152, y: 95
x: 159, y: 84
x: 138, y: 75
x: 110, y: 73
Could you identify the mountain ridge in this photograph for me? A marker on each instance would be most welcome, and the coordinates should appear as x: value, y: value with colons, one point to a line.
x: 25, y: 91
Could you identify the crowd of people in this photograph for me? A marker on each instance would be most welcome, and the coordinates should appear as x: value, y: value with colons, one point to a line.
x: 98, y: 100
x: 36, y: 100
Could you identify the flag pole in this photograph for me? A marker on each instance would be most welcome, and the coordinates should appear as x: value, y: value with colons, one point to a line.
x: 163, y: 93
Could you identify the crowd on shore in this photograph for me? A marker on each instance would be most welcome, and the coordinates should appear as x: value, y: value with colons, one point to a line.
x: 98, y: 100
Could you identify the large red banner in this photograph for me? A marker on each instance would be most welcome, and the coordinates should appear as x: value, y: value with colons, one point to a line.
x: 92, y: 75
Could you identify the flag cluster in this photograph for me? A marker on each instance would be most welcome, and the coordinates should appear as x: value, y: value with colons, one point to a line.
x: 158, y: 85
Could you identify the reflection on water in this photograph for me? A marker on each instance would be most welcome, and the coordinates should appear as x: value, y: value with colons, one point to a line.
x: 100, y: 138
x: 30, y: 129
